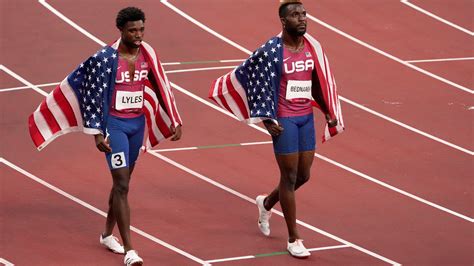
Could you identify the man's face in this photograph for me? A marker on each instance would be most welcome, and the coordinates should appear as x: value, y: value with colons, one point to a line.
x: 295, y: 20
x: 132, y: 33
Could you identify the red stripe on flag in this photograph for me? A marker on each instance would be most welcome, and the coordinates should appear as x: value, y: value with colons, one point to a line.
x: 236, y: 96
x: 49, y: 118
x: 332, y: 131
x: 34, y: 131
x: 150, y: 100
x: 211, y: 92
x: 66, y: 108
x: 162, y: 126
x: 221, y: 97
x: 151, y: 136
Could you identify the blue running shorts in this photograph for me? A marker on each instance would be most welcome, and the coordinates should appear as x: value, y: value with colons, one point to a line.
x: 126, y: 139
x: 298, y: 135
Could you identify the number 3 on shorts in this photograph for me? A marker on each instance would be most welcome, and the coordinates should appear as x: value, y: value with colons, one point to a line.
x: 117, y: 160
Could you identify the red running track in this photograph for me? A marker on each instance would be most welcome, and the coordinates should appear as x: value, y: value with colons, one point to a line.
x: 208, y: 222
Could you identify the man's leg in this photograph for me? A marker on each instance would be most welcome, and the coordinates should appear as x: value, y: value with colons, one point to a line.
x: 111, y: 221
x: 288, y: 165
x: 120, y: 207
x: 303, y: 174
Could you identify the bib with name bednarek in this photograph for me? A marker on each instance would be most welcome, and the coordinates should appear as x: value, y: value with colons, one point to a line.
x: 298, y: 90
x: 128, y: 100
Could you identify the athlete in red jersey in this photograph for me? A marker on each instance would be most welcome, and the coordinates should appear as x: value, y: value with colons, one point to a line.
x: 294, y: 135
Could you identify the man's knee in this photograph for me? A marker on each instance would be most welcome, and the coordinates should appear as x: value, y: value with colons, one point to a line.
x: 289, y: 180
x: 120, y: 188
x: 302, y: 178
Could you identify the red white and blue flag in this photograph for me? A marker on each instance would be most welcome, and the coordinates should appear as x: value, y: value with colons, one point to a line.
x: 81, y: 102
x: 250, y: 91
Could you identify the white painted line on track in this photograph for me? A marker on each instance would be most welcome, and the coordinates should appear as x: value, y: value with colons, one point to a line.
x: 29, y: 87
x: 247, y: 198
x: 70, y: 22
x: 324, y: 158
x: 415, y: 130
x: 98, y: 211
x: 214, y: 146
x: 199, y: 69
x: 225, y: 39
x: 167, y: 72
x: 447, y: 22
x: 440, y: 60
x: 6, y: 262
x: 22, y: 80
x: 202, y: 62
x: 366, y: 45
x: 268, y: 255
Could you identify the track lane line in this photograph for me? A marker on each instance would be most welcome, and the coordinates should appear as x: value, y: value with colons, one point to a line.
x: 230, y: 42
x: 440, y: 60
x: 98, y: 211
x: 214, y: 146
x: 6, y: 262
x: 394, y: 58
x: 273, y: 254
x: 438, y: 18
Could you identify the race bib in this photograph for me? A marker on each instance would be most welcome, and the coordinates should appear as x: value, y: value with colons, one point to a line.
x: 128, y: 100
x: 298, y: 89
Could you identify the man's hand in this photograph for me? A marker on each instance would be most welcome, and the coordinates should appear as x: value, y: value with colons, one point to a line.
x: 176, y: 132
x: 274, y: 129
x: 331, y: 122
x: 102, y: 144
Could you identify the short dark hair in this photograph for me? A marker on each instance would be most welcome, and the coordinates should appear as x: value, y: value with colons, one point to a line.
x: 129, y: 14
x: 283, y: 10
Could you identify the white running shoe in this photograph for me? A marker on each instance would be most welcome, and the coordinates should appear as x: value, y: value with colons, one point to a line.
x: 263, y: 215
x: 297, y: 249
x: 111, y: 242
x: 132, y: 258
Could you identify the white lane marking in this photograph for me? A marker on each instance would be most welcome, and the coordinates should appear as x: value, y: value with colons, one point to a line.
x: 70, y: 22
x: 440, y: 60
x: 447, y: 22
x: 198, y: 69
x: 96, y: 210
x: 22, y: 80
x: 270, y: 254
x: 29, y: 87
x: 214, y: 146
x: 366, y: 45
x: 6, y: 262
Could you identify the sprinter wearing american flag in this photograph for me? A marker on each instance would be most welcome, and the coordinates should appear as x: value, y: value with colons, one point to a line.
x: 279, y: 84
x: 114, y: 95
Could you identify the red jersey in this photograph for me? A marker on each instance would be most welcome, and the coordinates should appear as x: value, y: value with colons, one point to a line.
x: 295, y: 84
x: 127, y: 101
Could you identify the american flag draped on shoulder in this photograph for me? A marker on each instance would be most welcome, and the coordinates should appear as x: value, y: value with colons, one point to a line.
x: 81, y: 102
x: 250, y: 91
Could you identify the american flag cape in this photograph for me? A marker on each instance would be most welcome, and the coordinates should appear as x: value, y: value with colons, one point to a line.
x: 250, y: 91
x: 81, y: 102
